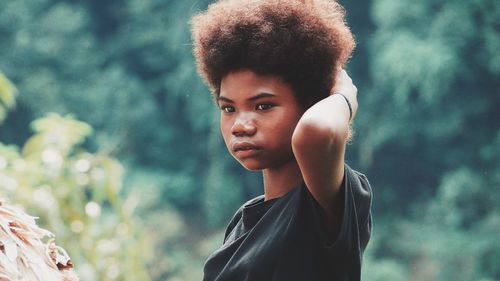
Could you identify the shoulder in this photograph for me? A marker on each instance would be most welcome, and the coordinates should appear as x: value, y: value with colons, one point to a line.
x: 358, y: 179
x: 358, y: 188
x: 357, y: 206
x: 239, y: 213
x: 355, y: 214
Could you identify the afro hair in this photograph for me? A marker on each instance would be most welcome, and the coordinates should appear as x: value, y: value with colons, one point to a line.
x: 302, y: 42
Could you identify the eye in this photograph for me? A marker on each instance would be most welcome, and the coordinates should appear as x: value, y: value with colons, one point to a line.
x: 227, y: 108
x: 264, y: 106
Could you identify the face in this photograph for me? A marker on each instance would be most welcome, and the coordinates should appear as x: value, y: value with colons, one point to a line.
x: 258, y: 116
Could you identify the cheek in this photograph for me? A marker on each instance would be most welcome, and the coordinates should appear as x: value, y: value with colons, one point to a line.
x: 287, y: 124
x: 225, y: 129
x: 284, y: 130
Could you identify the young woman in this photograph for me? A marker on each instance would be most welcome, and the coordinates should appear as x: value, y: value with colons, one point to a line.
x: 274, y: 67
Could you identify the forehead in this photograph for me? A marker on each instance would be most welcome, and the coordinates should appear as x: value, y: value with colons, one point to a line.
x: 246, y: 82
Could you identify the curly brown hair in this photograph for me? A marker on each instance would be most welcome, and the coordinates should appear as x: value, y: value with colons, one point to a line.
x: 302, y: 42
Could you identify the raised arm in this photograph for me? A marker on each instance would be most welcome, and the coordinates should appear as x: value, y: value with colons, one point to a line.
x: 319, y: 143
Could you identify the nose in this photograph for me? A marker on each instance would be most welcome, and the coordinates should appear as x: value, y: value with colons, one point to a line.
x: 243, y: 126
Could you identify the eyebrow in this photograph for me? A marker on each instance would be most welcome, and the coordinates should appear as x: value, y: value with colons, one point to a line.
x: 256, y: 97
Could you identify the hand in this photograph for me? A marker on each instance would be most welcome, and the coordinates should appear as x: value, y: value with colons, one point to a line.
x: 344, y: 85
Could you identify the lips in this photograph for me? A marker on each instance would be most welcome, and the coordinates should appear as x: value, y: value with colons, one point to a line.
x: 245, y: 149
x: 242, y: 146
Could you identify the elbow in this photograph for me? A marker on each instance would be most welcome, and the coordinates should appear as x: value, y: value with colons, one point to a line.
x: 311, y: 134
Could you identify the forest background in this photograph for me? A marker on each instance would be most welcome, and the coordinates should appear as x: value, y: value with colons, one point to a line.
x: 111, y: 138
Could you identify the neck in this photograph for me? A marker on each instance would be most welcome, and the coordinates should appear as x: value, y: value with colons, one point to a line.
x: 279, y: 181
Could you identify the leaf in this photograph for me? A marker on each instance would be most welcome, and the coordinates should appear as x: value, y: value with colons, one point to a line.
x: 7, y: 92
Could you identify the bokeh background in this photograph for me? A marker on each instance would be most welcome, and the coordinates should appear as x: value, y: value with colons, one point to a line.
x: 111, y: 138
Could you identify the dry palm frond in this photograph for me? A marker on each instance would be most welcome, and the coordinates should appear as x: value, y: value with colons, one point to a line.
x: 23, y: 254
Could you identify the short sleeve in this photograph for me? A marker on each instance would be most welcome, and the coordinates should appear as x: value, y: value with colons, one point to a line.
x: 356, y: 224
x: 362, y: 195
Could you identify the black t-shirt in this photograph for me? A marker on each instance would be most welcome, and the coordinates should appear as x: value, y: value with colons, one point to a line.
x: 285, y: 239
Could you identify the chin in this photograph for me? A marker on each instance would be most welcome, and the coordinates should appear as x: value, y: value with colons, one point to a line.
x: 252, y: 165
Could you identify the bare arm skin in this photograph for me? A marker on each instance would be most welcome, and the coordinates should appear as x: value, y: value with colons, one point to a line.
x: 319, y: 143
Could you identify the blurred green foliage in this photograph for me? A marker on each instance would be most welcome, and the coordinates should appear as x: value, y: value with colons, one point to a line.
x: 76, y: 195
x: 427, y: 132
x: 7, y: 96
